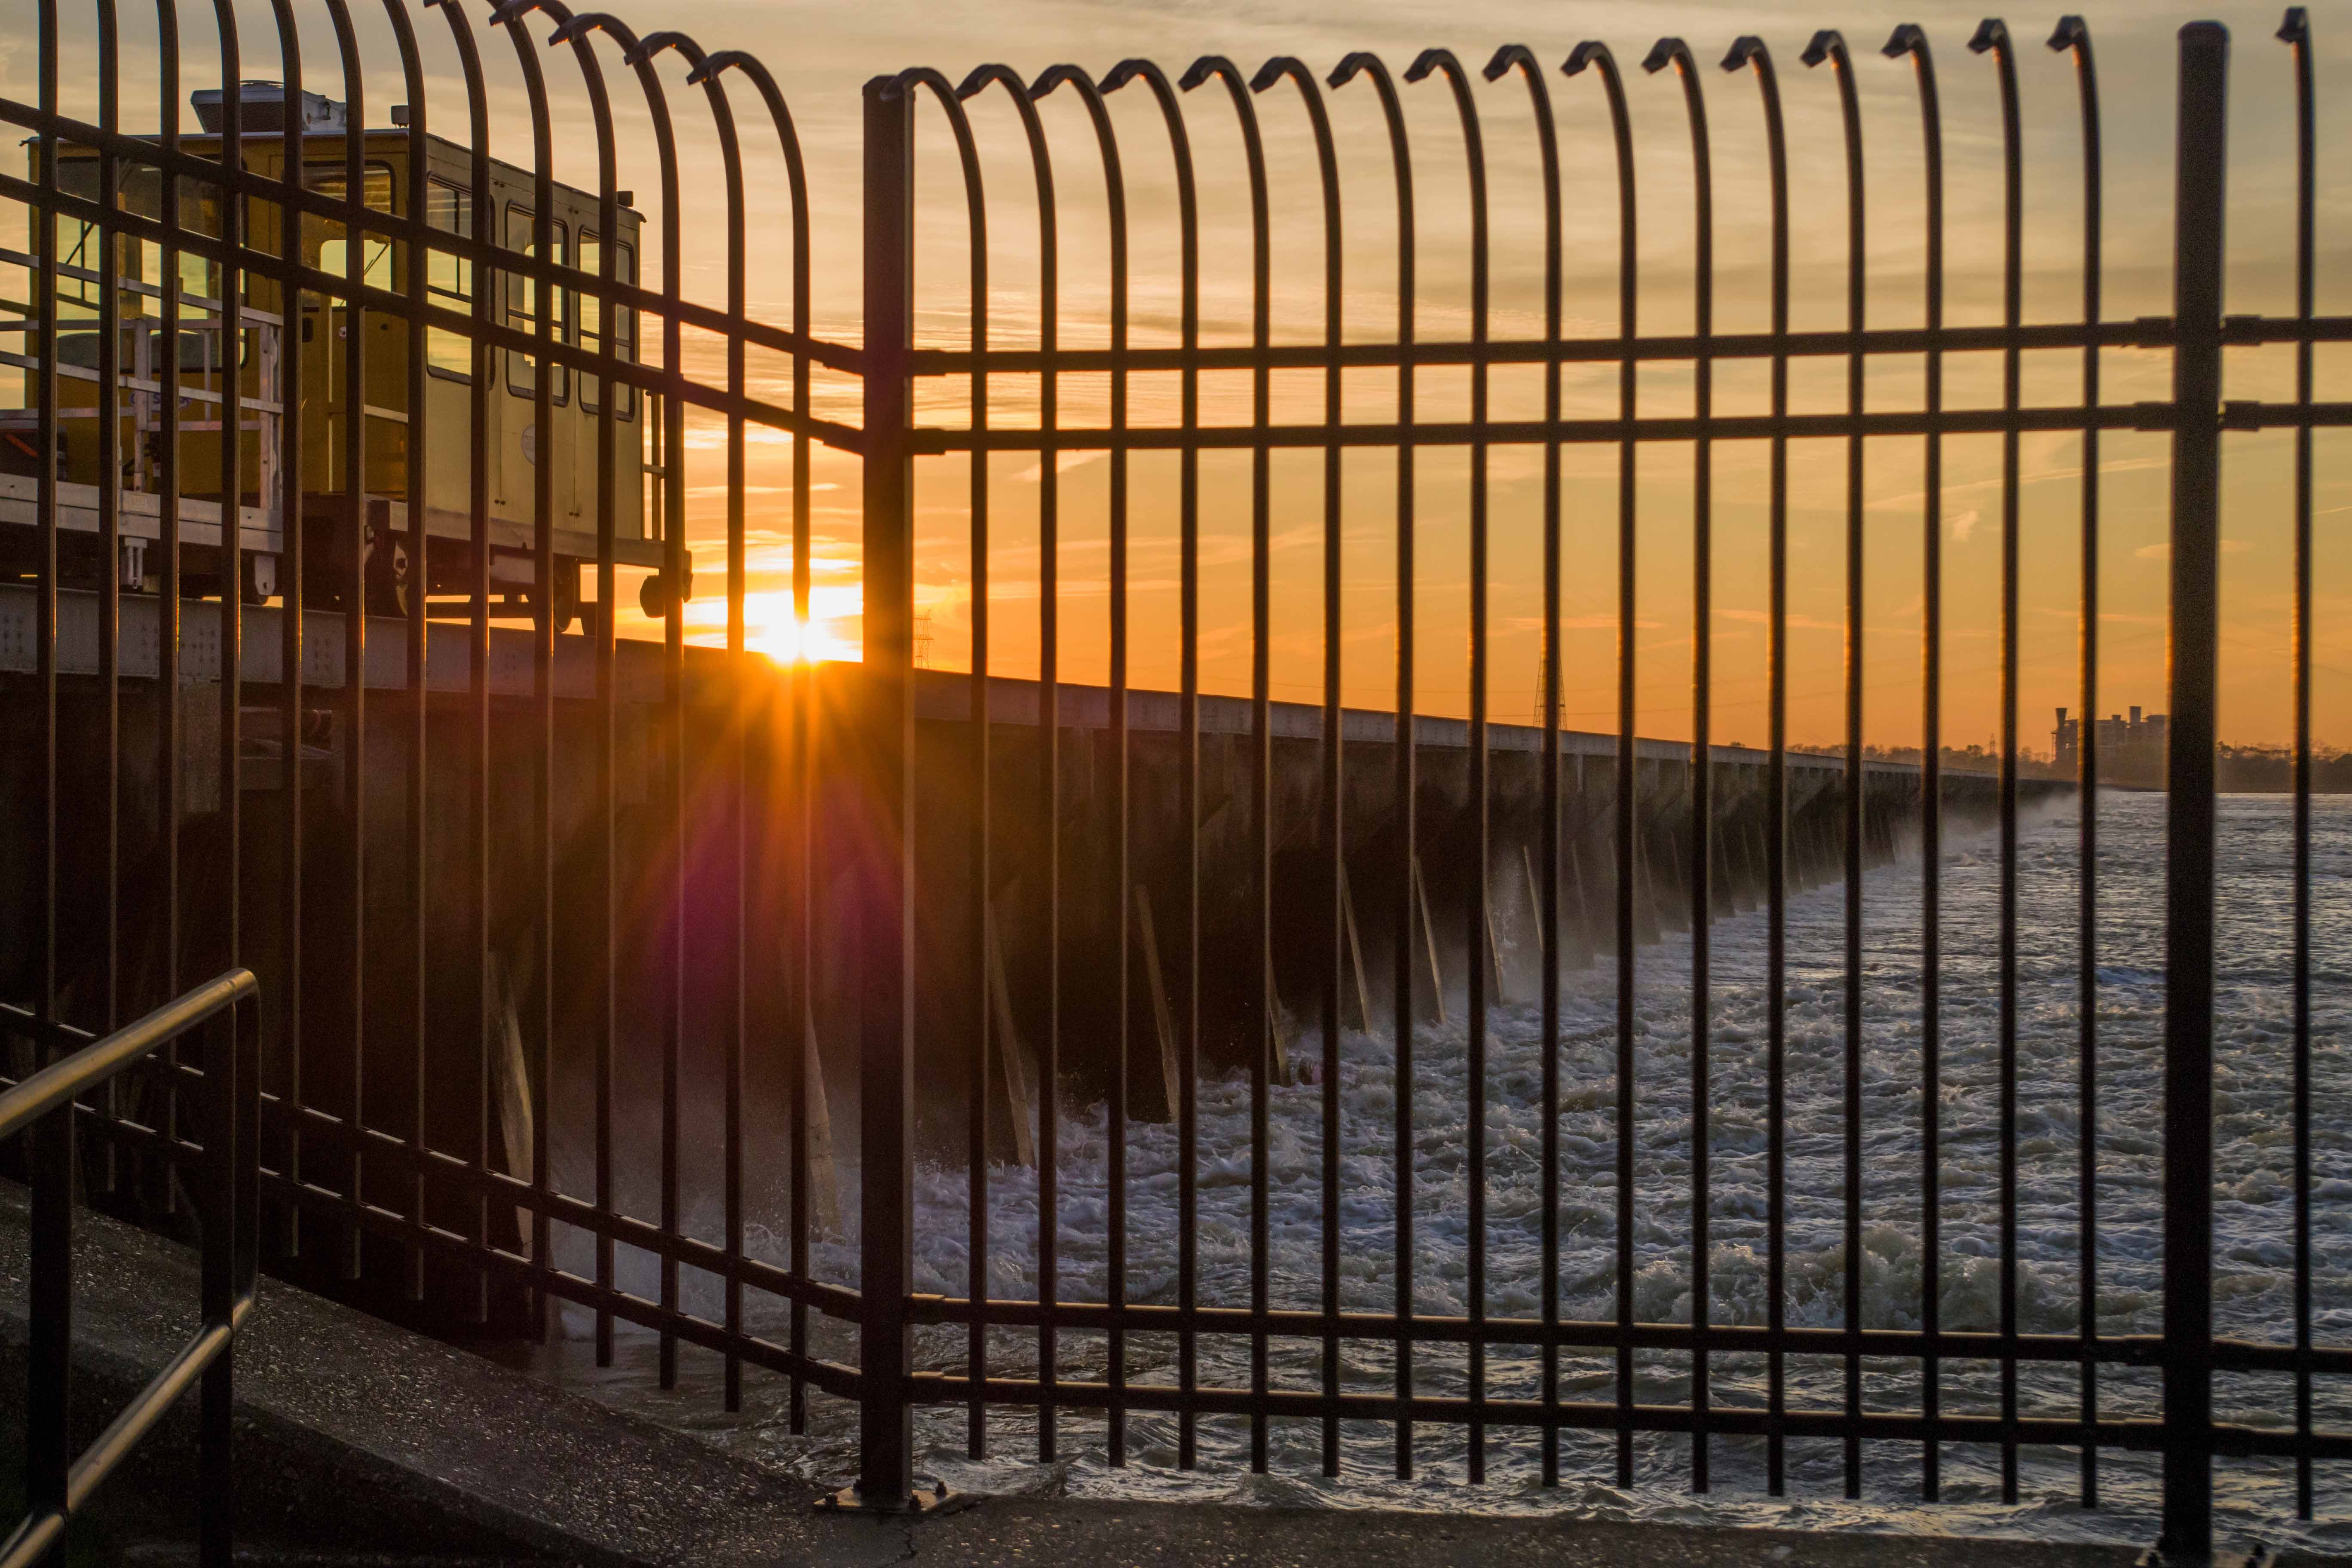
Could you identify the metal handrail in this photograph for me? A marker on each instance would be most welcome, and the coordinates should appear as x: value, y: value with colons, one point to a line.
x: 57, y: 1484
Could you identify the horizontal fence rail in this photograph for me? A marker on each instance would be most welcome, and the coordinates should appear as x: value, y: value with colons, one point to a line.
x: 1428, y: 1070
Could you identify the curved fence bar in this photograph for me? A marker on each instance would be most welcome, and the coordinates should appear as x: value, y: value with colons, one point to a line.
x: 1992, y: 38
x: 1257, y: 1041
x: 1115, y: 200
x: 1179, y: 1044
x: 1049, y: 639
x: 1547, y: 711
x: 1405, y: 858
x: 1265, y: 1067
x: 1331, y: 875
x: 1830, y: 45
x: 1750, y: 53
x: 979, y: 1081
x: 2295, y: 31
x: 604, y: 956
x: 2071, y: 36
x: 1908, y: 40
x: 1478, y: 913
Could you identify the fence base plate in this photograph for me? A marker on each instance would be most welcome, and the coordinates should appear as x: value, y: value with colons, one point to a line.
x: 922, y: 1499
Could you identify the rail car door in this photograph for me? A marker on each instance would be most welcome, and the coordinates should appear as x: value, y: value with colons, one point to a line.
x: 557, y: 443
x: 329, y: 325
x: 626, y: 468
x: 625, y: 481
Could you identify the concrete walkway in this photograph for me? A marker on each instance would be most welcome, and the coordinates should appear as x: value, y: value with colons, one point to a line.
x: 360, y: 1443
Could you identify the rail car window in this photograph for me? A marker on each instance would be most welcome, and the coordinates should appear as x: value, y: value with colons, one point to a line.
x: 327, y: 254
x: 80, y: 249
x: 142, y: 193
x: 592, y: 324
x: 448, y: 280
x: 522, y: 307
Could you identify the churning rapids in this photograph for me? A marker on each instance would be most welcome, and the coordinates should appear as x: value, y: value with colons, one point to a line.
x: 2252, y: 1254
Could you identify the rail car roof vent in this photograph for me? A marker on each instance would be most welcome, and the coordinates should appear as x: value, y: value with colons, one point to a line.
x: 262, y: 111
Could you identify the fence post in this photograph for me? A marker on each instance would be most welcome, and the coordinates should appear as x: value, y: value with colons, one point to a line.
x: 886, y: 1171
x: 2202, y: 163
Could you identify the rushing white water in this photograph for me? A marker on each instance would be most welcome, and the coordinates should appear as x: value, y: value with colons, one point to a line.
x: 2253, y: 1223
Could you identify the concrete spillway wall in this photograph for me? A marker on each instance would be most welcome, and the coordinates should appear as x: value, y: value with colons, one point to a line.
x: 422, y: 998
x: 1453, y: 908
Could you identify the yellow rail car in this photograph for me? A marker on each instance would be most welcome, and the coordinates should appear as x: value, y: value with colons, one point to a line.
x: 316, y: 335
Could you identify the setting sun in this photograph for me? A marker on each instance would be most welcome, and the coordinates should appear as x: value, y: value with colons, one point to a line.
x: 829, y: 634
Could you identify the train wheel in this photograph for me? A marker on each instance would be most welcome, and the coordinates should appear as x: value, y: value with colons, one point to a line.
x: 654, y: 594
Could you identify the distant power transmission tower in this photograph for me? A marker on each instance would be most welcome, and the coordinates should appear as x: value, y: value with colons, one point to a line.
x: 922, y: 639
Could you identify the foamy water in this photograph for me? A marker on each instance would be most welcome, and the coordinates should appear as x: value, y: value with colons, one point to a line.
x: 2253, y: 1215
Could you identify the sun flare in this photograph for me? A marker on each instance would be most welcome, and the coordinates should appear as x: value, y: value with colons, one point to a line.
x: 770, y: 627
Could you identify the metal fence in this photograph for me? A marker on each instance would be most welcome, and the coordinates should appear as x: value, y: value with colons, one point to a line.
x: 508, y: 885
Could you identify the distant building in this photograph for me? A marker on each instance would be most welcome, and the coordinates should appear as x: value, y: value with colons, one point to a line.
x: 2130, y: 750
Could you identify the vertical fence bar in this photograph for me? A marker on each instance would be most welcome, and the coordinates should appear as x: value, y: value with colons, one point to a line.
x: 1403, y: 752
x: 1188, y: 727
x: 2201, y: 169
x: 1476, y: 912
x: 489, y: 310
x: 738, y: 711
x: 1675, y: 52
x: 1266, y: 1027
x: 800, y: 1021
x: 1330, y: 890
x: 1994, y: 37
x: 1261, y: 774
x: 601, y: 633
x: 1188, y: 571
x: 1122, y: 868
x: 2073, y: 35
x: 1546, y: 892
x: 1829, y: 45
x: 734, y: 713
x: 2295, y: 32
x: 1115, y: 1290
x: 544, y: 325
x: 982, y: 908
x: 230, y: 319
x: 49, y: 1154
x: 168, y: 762
x: 1907, y: 40
x: 677, y: 573
x: 288, y: 395
x: 1049, y: 722
x: 47, y: 478
x: 352, y: 585
x: 420, y: 439
x: 1047, y: 1088
x: 110, y: 545
x: 1745, y: 52
x: 885, y: 1251
x: 606, y: 806
x: 1702, y: 635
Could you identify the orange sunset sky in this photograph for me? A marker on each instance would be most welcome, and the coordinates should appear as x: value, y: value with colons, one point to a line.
x: 823, y: 53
